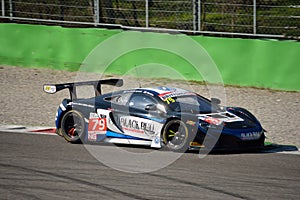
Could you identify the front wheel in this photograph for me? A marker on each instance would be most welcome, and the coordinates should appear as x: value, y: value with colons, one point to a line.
x: 73, y: 126
x: 176, y: 136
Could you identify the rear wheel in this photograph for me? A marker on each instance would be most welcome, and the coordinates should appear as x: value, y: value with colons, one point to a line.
x: 175, y: 135
x: 73, y: 126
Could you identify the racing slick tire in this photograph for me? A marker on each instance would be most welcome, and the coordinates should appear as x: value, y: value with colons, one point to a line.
x: 73, y: 126
x: 175, y: 136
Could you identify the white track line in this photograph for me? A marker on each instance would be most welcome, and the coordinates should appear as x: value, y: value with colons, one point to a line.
x: 290, y: 152
x: 26, y: 129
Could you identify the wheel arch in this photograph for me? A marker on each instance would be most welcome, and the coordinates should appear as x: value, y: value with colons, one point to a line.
x: 60, y: 116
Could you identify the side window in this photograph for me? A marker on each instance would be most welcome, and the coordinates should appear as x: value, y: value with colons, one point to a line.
x: 140, y: 101
x: 120, y: 99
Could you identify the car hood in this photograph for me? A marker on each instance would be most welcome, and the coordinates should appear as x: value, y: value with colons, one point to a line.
x: 220, y: 117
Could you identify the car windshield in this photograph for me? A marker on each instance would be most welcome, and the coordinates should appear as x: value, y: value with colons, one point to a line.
x: 191, y: 103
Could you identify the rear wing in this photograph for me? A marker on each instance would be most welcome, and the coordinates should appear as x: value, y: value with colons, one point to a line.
x: 53, y: 88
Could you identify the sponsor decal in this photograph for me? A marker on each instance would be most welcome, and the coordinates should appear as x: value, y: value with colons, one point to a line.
x: 50, y: 89
x: 174, y: 93
x: 157, y: 140
x: 133, y: 130
x: 211, y: 120
x: 190, y: 122
x: 92, y: 136
x: 251, y: 135
x: 134, y: 125
x: 166, y: 95
x: 218, y: 118
x: 170, y: 95
x: 196, y: 144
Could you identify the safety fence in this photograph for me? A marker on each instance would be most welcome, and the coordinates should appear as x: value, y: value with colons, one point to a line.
x: 267, y: 18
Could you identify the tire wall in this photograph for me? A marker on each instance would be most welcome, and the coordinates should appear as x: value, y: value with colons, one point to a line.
x: 242, y: 62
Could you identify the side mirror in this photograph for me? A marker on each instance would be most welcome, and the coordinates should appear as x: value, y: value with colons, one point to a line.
x: 215, y: 101
x: 150, y: 107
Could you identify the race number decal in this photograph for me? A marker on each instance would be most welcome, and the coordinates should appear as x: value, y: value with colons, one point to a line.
x: 97, y: 125
x: 169, y: 100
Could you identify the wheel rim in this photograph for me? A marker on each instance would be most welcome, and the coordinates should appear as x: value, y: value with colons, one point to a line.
x: 175, y: 135
x: 73, y: 125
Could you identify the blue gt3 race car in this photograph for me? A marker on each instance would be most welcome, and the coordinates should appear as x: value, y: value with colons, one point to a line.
x: 159, y: 117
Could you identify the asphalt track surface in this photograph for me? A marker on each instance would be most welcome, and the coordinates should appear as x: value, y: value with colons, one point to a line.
x: 47, y: 167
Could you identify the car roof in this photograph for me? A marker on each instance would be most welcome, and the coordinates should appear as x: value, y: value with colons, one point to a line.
x: 161, y: 92
x: 165, y: 92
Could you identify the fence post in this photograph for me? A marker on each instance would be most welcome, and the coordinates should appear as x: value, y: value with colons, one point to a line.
x: 10, y: 10
x: 3, y: 8
x: 96, y: 12
x: 254, y: 17
x: 194, y: 15
x: 199, y: 15
x: 147, y: 13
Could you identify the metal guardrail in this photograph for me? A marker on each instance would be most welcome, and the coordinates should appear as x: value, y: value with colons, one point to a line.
x: 265, y: 18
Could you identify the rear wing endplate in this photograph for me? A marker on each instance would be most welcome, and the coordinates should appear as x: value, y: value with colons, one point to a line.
x: 53, y: 88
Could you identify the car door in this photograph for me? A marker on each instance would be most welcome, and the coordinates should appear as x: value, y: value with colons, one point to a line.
x: 138, y: 117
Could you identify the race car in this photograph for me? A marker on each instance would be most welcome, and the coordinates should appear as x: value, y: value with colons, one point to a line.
x: 159, y: 117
